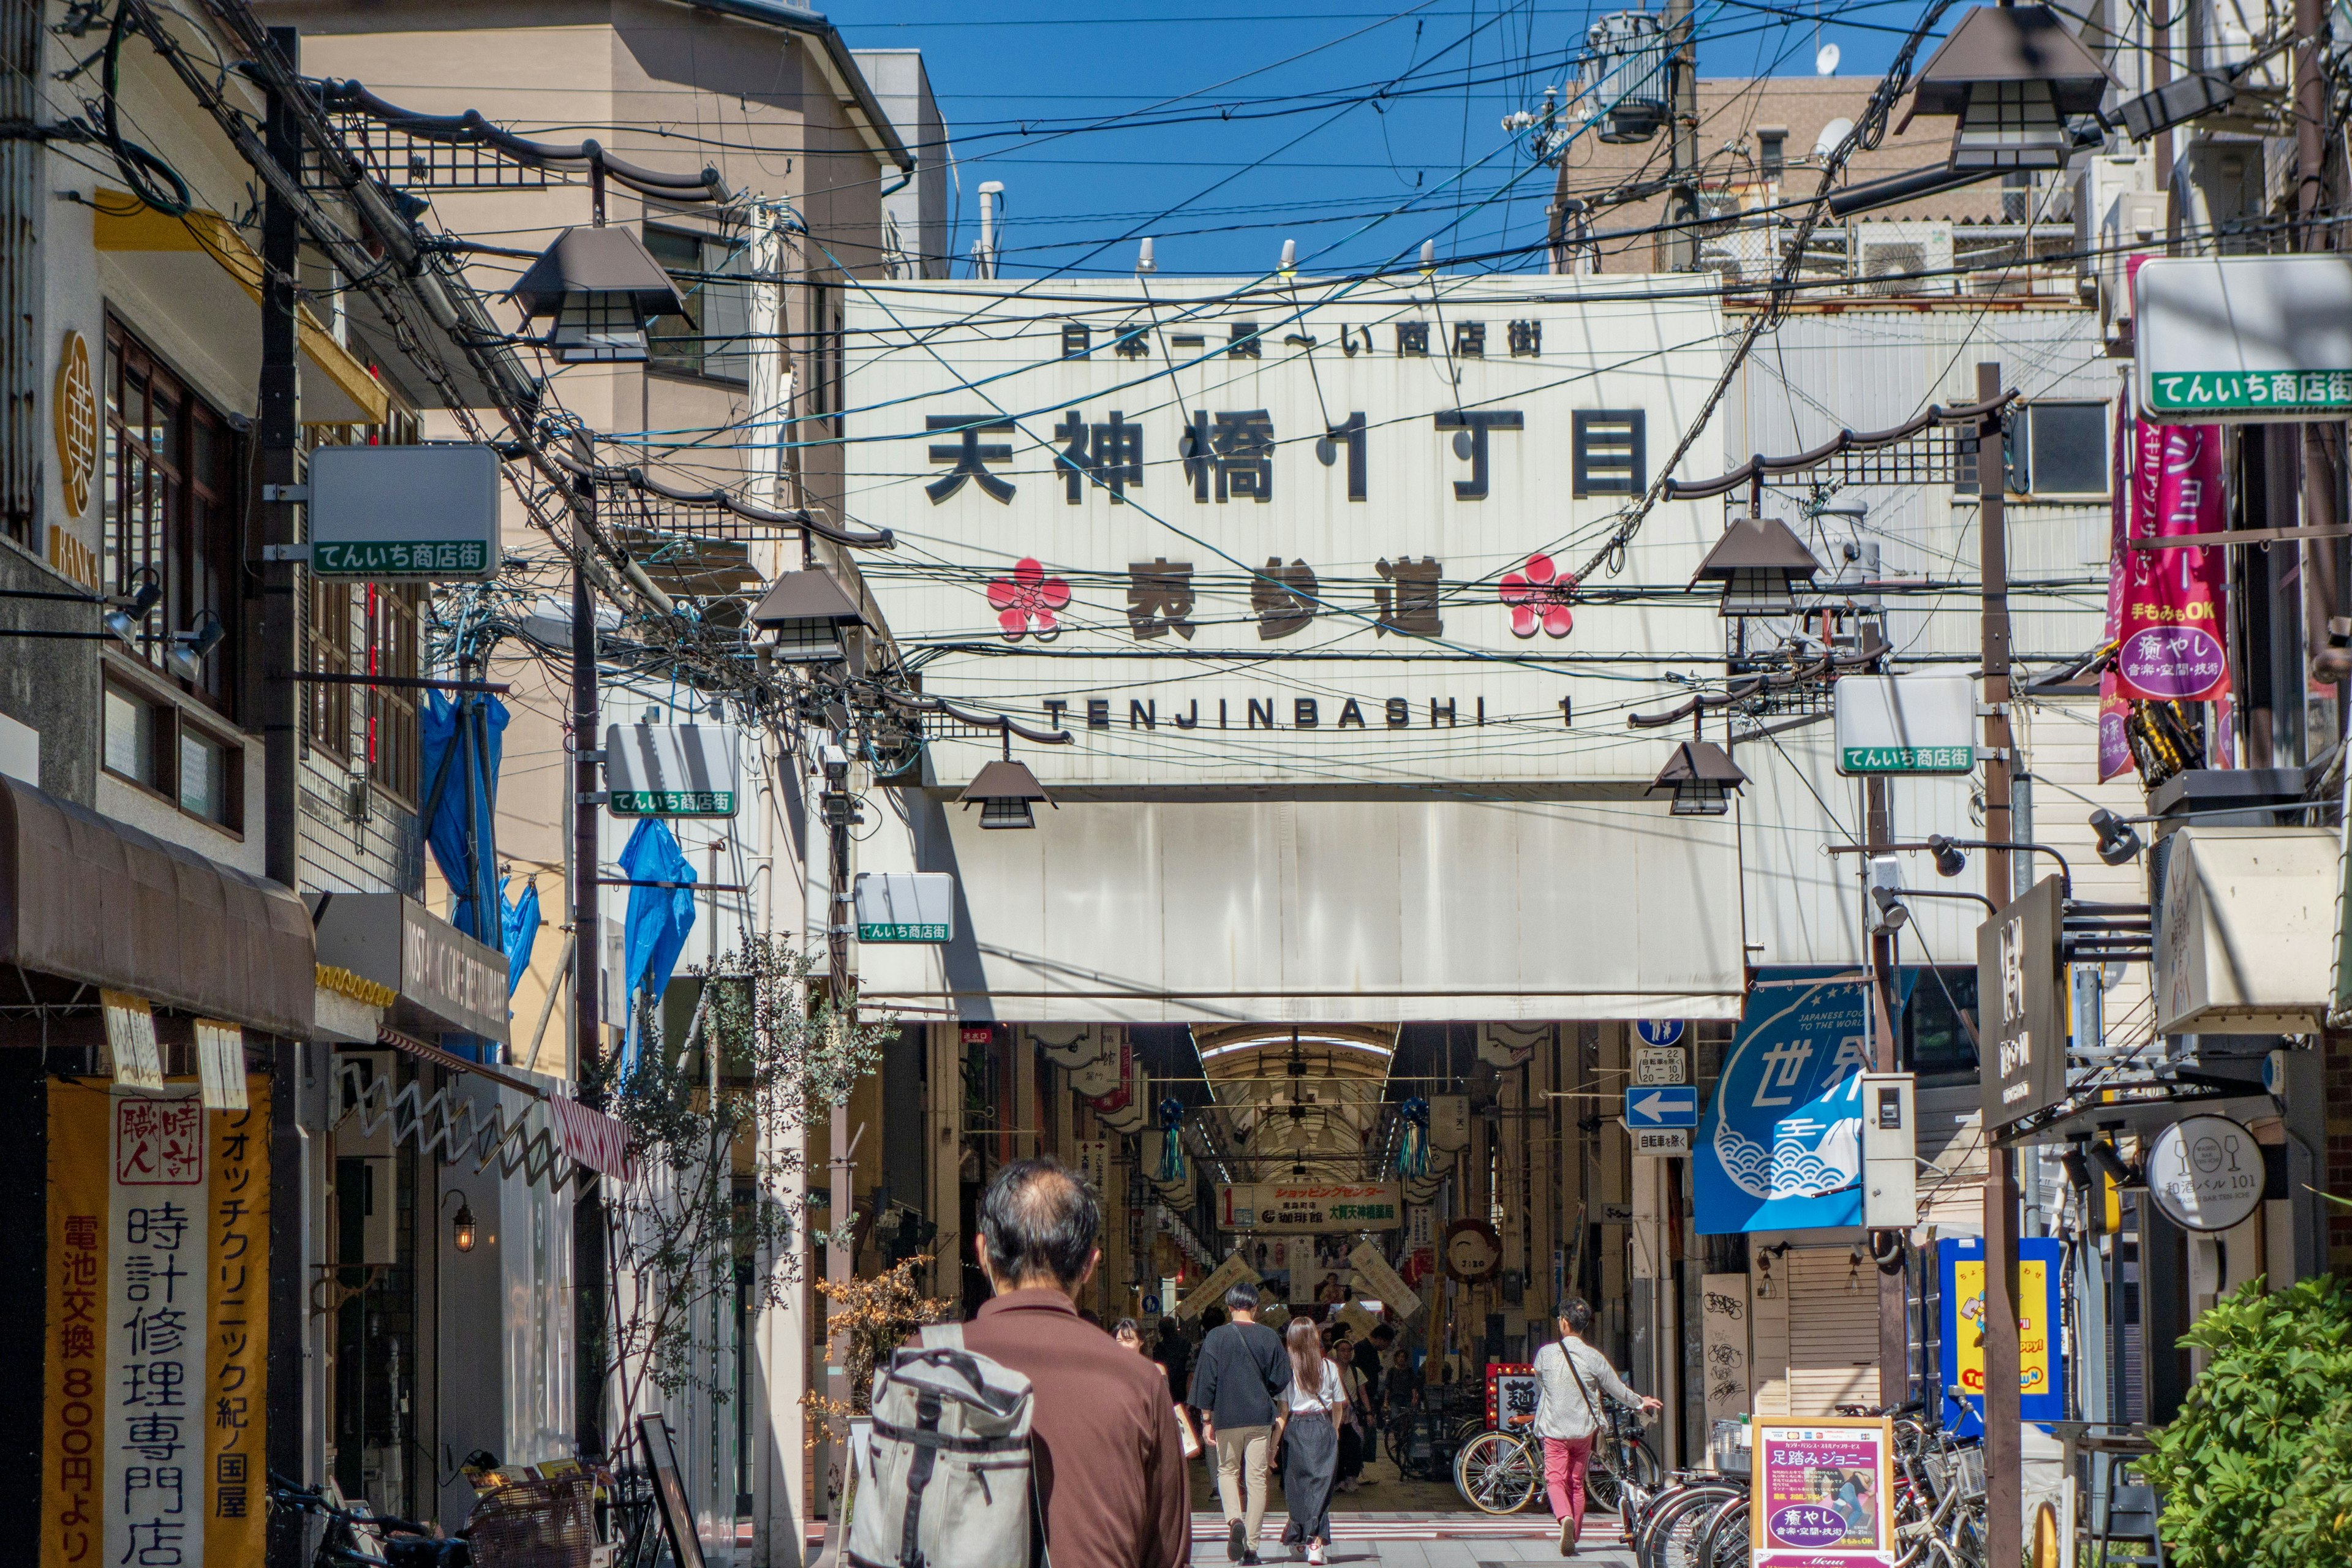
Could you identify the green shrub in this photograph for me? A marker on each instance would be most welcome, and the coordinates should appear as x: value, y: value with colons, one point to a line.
x: 2256, y: 1470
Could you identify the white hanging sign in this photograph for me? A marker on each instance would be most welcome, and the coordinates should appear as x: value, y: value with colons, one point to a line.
x: 672, y: 770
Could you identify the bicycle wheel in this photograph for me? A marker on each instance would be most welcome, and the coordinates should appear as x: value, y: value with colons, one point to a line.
x: 1496, y: 1473
x: 1601, y: 1492
x: 1668, y: 1540
x: 1723, y: 1541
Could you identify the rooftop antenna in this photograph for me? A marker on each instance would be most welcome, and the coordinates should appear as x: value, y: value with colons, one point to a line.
x: 991, y: 192
x: 1429, y: 258
x: 1144, y: 265
x: 1290, y: 258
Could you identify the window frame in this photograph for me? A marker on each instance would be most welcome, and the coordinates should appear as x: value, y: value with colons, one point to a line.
x: 190, y: 524
x: 173, y: 718
x: 693, y: 349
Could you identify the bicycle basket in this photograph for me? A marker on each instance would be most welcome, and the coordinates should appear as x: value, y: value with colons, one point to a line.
x: 536, y: 1524
x: 1732, y: 1448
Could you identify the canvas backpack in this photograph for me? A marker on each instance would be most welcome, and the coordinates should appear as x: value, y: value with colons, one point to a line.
x: 944, y: 1481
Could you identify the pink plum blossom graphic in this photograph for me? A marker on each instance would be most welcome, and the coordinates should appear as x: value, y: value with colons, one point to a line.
x: 1539, y: 594
x: 1025, y: 601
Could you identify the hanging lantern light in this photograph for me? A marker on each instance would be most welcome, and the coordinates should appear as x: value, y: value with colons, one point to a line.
x: 809, y: 613
x: 1701, y: 777
x: 1759, y: 564
x: 602, y: 288
x: 1005, y: 790
x: 2012, y: 75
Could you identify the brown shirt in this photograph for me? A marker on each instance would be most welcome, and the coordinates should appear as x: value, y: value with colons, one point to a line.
x: 1109, y: 1465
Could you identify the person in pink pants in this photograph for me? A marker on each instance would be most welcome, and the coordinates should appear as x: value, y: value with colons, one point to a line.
x: 1575, y: 1378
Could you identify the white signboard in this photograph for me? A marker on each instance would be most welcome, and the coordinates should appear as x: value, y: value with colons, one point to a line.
x: 1093, y: 1163
x: 1723, y: 1328
x: 1369, y: 1263
x: 1660, y: 1140
x: 1906, y: 724
x: 2242, y: 338
x: 1391, y: 480
x: 427, y: 512
x: 671, y: 770
x: 904, y: 906
x: 1660, y: 1064
x: 1211, y: 1291
x: 1310, y: 1207
x: 220, y: 1064
x: 131, y: 1041
x: 2205, y: 1173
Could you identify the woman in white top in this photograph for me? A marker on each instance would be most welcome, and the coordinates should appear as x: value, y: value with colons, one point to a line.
x: 1575, y: 1379
x: 1308, y: 1429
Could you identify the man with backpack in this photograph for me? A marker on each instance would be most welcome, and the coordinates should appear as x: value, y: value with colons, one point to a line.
x: 1043, y: 1413
x: 1241, y: 1372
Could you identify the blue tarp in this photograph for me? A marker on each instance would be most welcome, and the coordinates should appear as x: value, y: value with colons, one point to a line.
x: 1780, y: 1146
x: 654, y: 933
x: 522, y: 924
x: 460, y: 744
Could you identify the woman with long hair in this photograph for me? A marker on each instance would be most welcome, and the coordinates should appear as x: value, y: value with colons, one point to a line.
x: 1314, y: 1406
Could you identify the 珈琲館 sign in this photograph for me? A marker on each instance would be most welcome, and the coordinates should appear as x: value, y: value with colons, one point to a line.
x: 1231, y: 529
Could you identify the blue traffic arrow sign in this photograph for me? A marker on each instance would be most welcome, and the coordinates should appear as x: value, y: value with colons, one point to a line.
x: 1662, y: 1105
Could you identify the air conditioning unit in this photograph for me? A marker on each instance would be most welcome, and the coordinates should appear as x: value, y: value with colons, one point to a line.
x: 1908, y: 257
x: 2218, y: 186
x: 2134, y: 221
x: 2098, y: 184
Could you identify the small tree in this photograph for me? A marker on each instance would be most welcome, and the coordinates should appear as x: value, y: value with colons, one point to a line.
x: 768, y: 1062
x: 2256, y: 1470
x: 875, y: 1317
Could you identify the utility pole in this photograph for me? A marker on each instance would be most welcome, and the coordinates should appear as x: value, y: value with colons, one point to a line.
x: 838, y: 811
x: 1681, y: 128
x: 2322, y: 595
x: 2003, y: 1444
x: 1894, y: 1284
x: 278, y: 428
x: 588, y: 1238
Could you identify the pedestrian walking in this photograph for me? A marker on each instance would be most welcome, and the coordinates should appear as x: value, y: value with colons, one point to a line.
x: 1128, y: 1333
x: 1108, y: 1461
x: 1171, y: 1353
x: 1355, y: 1433
x: 1575, y: 1378
x: 1240, y: 1375
x: 1315, y: 1411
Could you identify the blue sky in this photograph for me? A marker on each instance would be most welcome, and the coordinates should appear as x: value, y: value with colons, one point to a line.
x: 1343, y: 124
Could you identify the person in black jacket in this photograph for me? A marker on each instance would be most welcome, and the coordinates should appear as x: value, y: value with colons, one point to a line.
x: 1242, y: 1373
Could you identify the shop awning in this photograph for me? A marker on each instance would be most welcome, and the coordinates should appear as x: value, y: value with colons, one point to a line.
x: 442, y: 981
x: 94, y: 900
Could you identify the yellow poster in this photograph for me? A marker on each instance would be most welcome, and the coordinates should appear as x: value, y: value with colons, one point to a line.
x: 156, y: 1326
x: 2034, y: 1341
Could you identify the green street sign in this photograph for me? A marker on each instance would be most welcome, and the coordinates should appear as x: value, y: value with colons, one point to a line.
x: 2316, y: 391
x: 673, y: 802
x: 900, y: 931
x: 388, y: 558
x: 1907, y: 760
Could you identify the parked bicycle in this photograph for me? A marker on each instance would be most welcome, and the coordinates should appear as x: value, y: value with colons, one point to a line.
x: 355, y: 1536
x: 1500, y: 1469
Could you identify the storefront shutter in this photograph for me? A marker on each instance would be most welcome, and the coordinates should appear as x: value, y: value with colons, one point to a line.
x: 1833, y: 1332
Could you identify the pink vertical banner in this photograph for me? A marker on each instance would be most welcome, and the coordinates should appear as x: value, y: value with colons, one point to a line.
x: 2115, y: 749
x: 2170, y: 635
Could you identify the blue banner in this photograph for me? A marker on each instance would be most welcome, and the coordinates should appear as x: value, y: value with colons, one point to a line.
x: 2041, y: 1364
x: 1780, y: 1146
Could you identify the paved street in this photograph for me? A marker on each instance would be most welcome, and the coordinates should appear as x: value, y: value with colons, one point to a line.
x: 1423, y: 1540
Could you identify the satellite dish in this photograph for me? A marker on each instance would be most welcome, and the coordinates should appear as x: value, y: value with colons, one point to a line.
x: 1825, y: 60
x: 1833, y: 133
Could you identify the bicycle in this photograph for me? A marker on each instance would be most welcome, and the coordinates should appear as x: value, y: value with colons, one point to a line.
x: 1501, y: 1469
x: 357, y: 1537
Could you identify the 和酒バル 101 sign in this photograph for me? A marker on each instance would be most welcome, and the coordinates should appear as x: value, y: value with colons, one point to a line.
x: 1325, y: 525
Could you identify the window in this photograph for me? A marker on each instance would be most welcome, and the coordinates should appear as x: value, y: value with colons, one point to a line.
x: 1936, y: 1042
x: 715, y: 342
x: 171, y: 492
x: 2064, y: 452
x: 392, y: 648
x: 1610, y: 460
x: 154, y: 743
x: 132, y: 724
x: 329, y: 708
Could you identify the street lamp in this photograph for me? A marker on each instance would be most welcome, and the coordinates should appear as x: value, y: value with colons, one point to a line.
x: 1005, y: 790
x: 461, y: 1229
x: 2011, y: 74
x: 808, y: 611
x: 1759, y: 564
x: 191, y: 648
x: 130, y: 613
x: 1701, y: 776
x: 602, y: 288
